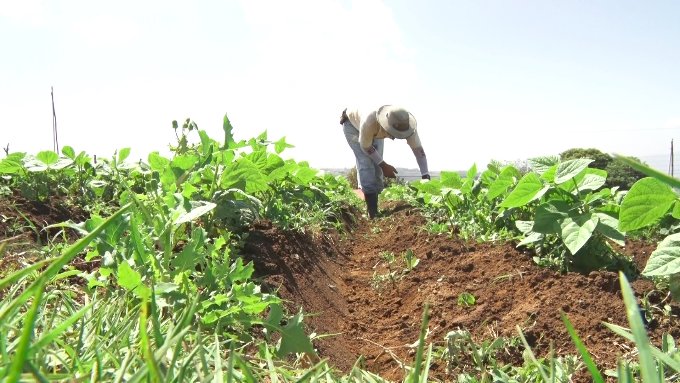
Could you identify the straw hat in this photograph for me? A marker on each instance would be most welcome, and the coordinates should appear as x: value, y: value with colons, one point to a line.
x: 397, y: 121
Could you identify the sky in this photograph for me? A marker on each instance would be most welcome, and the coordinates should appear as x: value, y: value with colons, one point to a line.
x: 505, y: 80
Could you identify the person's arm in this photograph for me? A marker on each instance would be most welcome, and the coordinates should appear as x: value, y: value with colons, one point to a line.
x: 369, y: 130
x: 419, y: 153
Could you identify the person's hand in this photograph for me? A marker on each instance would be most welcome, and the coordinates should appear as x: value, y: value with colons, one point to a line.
x: 388, y: 170
x: 343, y: 117
x: 426, y: 177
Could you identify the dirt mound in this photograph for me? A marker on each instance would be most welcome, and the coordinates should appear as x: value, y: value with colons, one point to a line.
x: 361, y: 294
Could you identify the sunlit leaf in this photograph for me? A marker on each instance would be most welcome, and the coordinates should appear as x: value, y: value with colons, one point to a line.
x: 569, y: 169
x: 577, y: 230
x: 647, y: 201
x: 665, y: 260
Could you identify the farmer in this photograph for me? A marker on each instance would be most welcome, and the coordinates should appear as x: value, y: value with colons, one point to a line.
x: 365, y: 134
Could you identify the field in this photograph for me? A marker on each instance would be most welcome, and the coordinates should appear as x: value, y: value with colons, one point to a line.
x: 227, y: 263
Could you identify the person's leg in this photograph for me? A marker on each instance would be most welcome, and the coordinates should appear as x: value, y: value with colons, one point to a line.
x: 370, y: 181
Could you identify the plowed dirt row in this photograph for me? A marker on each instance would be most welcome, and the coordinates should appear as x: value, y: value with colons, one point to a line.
x: 336, y: 278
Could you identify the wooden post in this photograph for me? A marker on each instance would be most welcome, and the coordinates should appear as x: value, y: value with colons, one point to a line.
x: 55, y: 138
x: 671, y: 165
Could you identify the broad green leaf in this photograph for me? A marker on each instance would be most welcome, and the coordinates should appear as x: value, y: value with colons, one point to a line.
x: 228, y: 135
x: 528, y: 189
x: 158, y: 162
x: 10, y: 166
x: 674, y: 288
x: 530, y: 238
x: 500, y: 186
x: 273, y: 162
x: 47, y: 157
x: 62, y: 163
x: 243, y: 174
x: 541, y: 164
x: 433, y: 187
x: 305, y: 174
x: 184, y: 161
x: 191, y: 254
x: 676, y: 209
x: 577, y: 230
x: 450, y: 179
x: 472, y: 173
x: 591, y: 181
x: 198, y: 208
x: 524, y: 226
x: 294, y: 339
x: 206, y: 142
x: 131, y: 280
x: 609, y: 227
x: 123, y: 154
x: 281, y: 145
x: 549, y: 174
x: 569, y: 169
x: 282, y: 171
x: 510, y: 171
x: 647, y: 201
x: 69, y: 152
x: 665, y: 260
x: 488, y: 177
x: 548, y: 217
x: 258, y: 158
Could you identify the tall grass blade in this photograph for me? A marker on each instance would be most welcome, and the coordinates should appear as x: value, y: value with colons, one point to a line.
x: 646, y: 170
x: 48, y: 338
x: 539, y: 366
x: 219, y: 374
x: 12, y: 278
x: 658, y: 354
x: 67, y: 256
x: 39, y: 377
x: 22, y: 352
x: 587, y: 359
x: 647, y: 363
x: 273, y: 378
x: 415, y: 376
x: 146, y: 345
x: 246, y: 370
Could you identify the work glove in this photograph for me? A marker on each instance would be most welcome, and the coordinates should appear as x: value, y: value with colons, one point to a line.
x: 426, y: 177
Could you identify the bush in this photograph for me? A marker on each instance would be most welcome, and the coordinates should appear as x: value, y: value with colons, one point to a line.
x: 618, y: 173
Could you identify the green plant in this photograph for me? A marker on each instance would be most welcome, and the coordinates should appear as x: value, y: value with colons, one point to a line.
x: 570, y: 207
x: 649, y: 200
x: 466, y: 299
x: 411, y: 260
x: 394, y: 273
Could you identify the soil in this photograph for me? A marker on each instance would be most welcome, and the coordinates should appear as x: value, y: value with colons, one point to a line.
x: 358, y: 314
x: 335, y: 279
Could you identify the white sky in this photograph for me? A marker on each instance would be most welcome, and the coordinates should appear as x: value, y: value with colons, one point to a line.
x: 485, y: 79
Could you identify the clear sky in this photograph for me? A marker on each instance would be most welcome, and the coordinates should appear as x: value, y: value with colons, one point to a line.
x: 504, y: 79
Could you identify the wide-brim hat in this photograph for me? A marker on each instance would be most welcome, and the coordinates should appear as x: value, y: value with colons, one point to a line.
x: 397, y: 121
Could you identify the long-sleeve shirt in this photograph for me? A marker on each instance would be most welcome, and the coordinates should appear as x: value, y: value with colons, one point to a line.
x: 369, y: 129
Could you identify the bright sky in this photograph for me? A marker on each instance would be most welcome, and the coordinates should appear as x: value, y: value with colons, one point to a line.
x: 503, y: 79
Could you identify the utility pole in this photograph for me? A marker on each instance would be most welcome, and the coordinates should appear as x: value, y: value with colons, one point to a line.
x: 671, y: 167
x: 55, y: 137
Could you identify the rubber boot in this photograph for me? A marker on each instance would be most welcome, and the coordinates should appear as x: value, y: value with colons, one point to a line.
x: 372, y: 204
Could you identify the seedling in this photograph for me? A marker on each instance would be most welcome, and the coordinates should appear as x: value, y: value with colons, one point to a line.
x: 466, y: 299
